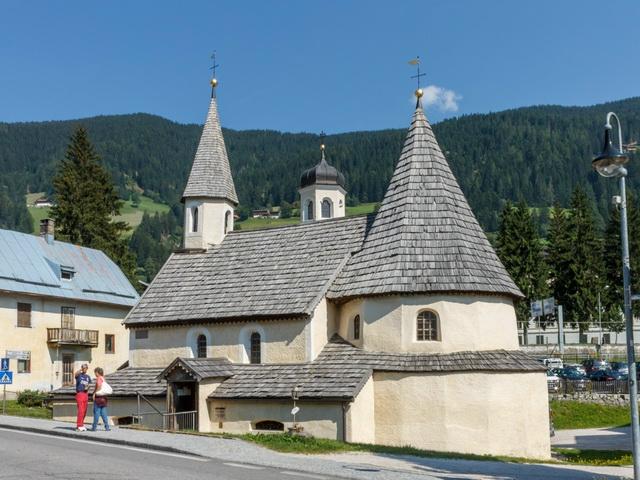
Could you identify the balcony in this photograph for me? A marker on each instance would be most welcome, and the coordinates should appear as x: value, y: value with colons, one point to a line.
x: 72, y: 336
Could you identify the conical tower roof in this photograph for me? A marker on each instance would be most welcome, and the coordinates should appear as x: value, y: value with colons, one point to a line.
x: 425, y: 238
x: 210, y: 175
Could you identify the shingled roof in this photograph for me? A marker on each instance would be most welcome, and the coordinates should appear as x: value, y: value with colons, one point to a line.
x: 276, y: 273
x: 128, y: 381
x: 211, y: 174
x: 425, y: 237
x: 341, y: 370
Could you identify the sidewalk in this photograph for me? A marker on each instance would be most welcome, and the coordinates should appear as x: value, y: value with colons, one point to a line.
x: 594, y: 439
x: 363, y: 466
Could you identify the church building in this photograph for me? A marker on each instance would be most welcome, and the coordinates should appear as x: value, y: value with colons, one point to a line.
x: 393, y: 328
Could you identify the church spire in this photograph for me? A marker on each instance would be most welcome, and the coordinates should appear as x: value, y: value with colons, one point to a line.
x: 210, y: 195
x: 424, y: 238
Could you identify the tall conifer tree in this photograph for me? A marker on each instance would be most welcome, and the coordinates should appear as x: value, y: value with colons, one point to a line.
x: 86, y: 201
x: 519, y: 248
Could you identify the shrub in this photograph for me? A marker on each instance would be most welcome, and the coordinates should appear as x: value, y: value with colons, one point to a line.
x: 31, y: 398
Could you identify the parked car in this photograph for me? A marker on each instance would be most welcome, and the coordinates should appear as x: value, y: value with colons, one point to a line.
x: 621, y: 367
x: 619, y: 375
x: 553, y: 382
x: 574, y: 381
x: 602, y: 376
x: 552, y: 362
x: 592, y: 365
x: 576, y: 367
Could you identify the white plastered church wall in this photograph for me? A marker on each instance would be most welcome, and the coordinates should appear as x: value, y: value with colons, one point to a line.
x: 215, y: 220
x: 466, y: 322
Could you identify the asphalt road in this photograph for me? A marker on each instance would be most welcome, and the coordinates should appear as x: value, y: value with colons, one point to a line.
x: 29, y: 456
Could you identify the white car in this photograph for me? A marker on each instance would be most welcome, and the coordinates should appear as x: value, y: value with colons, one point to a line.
x: 553, y: 362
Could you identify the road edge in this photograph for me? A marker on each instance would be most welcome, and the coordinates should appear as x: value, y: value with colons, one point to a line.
x: 112, y: 441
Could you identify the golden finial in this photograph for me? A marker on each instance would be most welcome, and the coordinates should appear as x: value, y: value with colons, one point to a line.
x: 214, y: 80
x: 419, y: 93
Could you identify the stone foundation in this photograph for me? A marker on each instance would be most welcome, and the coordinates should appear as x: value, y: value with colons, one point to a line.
x: 617, y: 399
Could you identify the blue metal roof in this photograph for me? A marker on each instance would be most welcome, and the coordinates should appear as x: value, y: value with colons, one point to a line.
x: 31, y: 265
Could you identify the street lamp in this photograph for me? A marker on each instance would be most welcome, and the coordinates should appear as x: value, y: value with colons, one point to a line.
x: 610, y: 163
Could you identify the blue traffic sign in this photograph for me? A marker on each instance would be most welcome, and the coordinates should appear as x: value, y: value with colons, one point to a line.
x: 4, y: 364
x: 6, y: 378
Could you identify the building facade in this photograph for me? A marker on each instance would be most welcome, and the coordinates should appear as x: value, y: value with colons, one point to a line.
x: 60, y: 305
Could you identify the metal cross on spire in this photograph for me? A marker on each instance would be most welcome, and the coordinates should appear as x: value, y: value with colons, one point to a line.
x: 214, y: 80
x: 322, y: 137
x: 419, y: 92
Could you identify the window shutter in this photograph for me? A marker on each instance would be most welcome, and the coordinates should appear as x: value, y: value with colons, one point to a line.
x: 24, y: 315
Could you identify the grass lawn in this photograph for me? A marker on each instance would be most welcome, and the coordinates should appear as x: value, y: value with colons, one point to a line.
x: 568, y: 414
x: 260, y: 223
x: 361, y: 209
x: 130, y: 214
x: 17, y: 410
x: 594, y: 457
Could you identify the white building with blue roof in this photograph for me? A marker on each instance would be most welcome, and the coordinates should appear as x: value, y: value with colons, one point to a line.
x: 61, y: 305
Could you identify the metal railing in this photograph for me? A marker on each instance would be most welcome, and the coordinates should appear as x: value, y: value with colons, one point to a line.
x: 72, y: 336
x: 565, y: 386
x: 172, y: 421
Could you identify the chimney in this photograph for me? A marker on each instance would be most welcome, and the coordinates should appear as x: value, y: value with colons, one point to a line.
x: 47, y: 228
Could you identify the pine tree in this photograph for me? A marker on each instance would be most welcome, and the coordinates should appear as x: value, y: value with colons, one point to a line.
x: 612, y: 294
x: 519, y: 248
x: 586, y: 268
x: 559, y: 253
x: 86, y: 200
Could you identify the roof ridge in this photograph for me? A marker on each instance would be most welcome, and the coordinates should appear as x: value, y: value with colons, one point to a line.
x: 314, y: 224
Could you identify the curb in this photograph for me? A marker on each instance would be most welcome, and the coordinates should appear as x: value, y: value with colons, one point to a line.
x: 112, y: 441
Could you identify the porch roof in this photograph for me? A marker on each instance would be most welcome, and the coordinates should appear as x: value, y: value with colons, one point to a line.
x: 128, y: 382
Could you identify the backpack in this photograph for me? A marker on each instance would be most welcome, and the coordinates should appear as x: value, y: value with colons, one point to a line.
x: 105, y: 389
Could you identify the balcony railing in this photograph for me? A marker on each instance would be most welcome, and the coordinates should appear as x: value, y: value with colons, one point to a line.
x: 72, y: 336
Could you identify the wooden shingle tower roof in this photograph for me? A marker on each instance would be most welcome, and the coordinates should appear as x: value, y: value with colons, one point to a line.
x: 210, y: 175
x: 425, y: 237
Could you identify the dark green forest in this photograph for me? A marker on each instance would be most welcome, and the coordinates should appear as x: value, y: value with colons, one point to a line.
x: 536, y: 154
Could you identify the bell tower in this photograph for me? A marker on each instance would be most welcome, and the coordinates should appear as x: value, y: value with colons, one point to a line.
x: 322, y: 192
x: 210, y: 195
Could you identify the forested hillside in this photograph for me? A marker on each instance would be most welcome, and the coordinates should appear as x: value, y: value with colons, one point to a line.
x: 537, y: 154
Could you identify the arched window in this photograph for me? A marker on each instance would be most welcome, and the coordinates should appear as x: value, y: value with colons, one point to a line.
x: 194, y: 219
x: 202, y: 346
x: 427, y: 327
x: 256, y: 354
x: 227, y: 218
x: 310, y: 211
x: 271, y: 425
x: 356, y: 327
x: 326, y: 208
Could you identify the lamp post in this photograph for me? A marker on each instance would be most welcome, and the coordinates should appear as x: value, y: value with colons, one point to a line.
x: 610, y: 163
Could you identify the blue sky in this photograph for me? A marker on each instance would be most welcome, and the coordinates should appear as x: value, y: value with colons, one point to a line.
x: 311, y: 65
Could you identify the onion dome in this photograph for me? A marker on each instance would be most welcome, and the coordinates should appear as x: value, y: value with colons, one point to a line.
x: 322, y: 174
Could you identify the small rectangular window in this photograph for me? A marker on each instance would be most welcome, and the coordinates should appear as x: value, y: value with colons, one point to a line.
x: 68, y: 317
x: 582, y: 338
x: 539, y: 339
x: 109, y: 343
x: 24, y: 366
x: 142, y: 334
x: 24, y: 315
x: 66, y: 274
x: 606, y: 338
x: 356, y: 327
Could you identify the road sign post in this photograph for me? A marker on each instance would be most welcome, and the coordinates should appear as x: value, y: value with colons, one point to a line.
x: 6, y: 378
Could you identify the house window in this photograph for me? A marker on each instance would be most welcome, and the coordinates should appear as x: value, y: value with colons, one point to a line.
x: 66, y: 273
x: 256, y: 354
x: 202, y: 346
x: 227, y: 218
x: 582, y: 338
x: 427, y: 326
x: 24, y: 315
x: 109, y: 343
x: 68, y: 315
x: 606, y: 338
x: 142, y: 334
x: 356, y: 328
x: 326, y: 208
x: 24, y: 365
x: 271, y: 425
x: 194, y: 219
x: 539, y: 339
x: 310, y: 211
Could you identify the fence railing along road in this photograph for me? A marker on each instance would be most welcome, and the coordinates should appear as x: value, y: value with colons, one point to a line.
x: 565, y: 386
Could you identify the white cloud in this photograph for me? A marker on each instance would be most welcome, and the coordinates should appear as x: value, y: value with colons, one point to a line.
x: 443, y: 99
